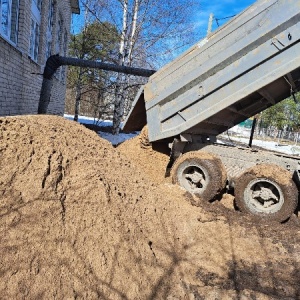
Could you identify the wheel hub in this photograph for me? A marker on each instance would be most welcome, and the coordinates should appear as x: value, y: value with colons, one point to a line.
x: 264, y: 196
x: 194, y: 179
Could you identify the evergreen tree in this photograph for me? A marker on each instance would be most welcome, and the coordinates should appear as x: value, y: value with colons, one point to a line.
x: 97, y: 41
x: 285, y: 115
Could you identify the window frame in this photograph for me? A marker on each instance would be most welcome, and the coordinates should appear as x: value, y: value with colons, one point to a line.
x: 11, y: 32
x: 58, y: 34
x: 35, y: 26
x: 58, y: 43
x: 65, y: 50
x: 50, y: 25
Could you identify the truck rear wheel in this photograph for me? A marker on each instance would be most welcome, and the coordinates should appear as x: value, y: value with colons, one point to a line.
x: 266, y: 192
x: 200, y: 173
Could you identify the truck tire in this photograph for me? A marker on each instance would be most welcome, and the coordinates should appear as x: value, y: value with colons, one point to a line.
x: 267, y: 192
x: 200, y: 173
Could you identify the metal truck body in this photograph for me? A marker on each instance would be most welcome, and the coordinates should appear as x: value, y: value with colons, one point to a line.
x: 246, y: 66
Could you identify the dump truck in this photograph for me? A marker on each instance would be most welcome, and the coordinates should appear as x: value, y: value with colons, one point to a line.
x: 249, y: 64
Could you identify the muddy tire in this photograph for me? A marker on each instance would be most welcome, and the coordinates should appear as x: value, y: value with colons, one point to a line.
x: 267, y: 192
x: 144, y: 138
x: 200, y: 173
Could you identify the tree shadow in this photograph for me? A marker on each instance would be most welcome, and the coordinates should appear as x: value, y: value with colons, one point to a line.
x: 48, y: 253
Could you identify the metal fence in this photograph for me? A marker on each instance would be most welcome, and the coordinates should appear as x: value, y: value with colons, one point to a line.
x: 271, y: 134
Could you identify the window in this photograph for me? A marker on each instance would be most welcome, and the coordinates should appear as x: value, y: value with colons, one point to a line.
x: 49, y: 28
x: 9, y: 13
x: 35, y: 29
x: 58, y: 35
x: 65, y: 44
x: 58, y: 43
x: 65, y: 50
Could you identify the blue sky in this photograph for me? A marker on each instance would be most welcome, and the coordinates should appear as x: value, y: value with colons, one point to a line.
x: 220, y: 9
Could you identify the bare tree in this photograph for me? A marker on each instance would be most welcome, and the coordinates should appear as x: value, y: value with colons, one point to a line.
x: 150, y: 33
x: 81, y: 71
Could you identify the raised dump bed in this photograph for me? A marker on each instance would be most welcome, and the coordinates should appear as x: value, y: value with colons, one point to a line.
x: 247, y: 65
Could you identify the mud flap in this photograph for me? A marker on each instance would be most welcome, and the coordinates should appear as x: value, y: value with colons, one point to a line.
x: 176, y: 150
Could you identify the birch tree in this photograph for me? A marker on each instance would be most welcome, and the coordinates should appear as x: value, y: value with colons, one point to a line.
x: 151, y: 33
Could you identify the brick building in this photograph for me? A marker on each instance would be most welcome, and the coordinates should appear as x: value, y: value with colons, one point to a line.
x: 31, y: 31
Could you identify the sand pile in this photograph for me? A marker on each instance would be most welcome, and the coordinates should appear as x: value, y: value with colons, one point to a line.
x: 79, y: 220
x: 152, y: 163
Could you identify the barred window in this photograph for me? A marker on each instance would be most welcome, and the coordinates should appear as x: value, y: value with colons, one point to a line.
x: 59, y: 35
x: 65, y: 50
x: 49, y: 28
x: 9, y: 14
x: 36, y: 6
x: 58, y: 43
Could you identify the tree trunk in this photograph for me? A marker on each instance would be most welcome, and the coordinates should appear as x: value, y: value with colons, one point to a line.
x: 126, y: 46
x: 118, y: 108
x: 133, y: 31
x: 119, y: 96
x: 78, y: 95
x: 123, y: 93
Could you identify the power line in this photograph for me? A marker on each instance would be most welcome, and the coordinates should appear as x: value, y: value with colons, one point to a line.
x: 218, y: 19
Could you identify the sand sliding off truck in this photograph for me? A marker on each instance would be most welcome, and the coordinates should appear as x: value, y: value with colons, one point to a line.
x: 247, y: 65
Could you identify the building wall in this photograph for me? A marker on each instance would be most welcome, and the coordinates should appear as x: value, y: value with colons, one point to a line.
x: 20, y: 75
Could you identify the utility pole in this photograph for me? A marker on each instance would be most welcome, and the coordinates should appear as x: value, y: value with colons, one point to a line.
x: 210, y: 21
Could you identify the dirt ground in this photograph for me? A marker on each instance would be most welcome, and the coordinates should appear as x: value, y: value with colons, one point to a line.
x: 80, y: 219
